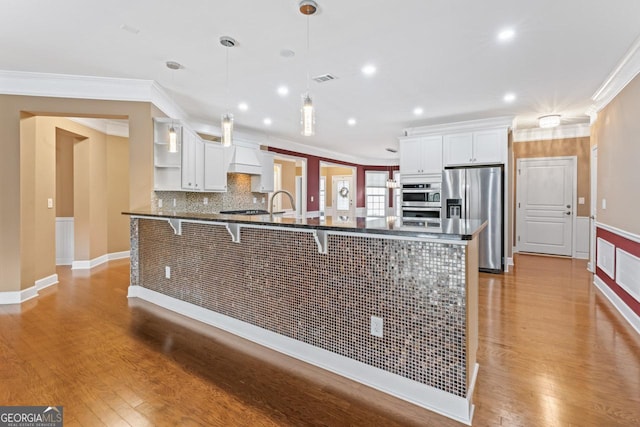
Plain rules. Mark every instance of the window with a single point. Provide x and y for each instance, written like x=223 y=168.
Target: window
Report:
x=376 y=193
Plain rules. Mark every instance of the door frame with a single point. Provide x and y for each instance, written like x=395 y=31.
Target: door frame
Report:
x=354 y=177
x=593 y=182
x=303 y=209
x=574 y=195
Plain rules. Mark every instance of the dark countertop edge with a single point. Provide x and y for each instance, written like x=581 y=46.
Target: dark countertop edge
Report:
x=254 y=220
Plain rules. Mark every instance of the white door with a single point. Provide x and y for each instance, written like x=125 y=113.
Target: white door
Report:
x=545 y=202
x=343 y=196
x=594 y=209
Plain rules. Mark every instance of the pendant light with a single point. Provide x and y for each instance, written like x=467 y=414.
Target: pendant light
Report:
x=227 y=118
x=307 y=119
x=173 y=137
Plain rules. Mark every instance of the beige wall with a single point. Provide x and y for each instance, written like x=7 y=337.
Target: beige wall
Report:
x=18 y=179
x=329 y=172
x=64 y=173
x=288 y=180
x=117 y=194
x=616 y=133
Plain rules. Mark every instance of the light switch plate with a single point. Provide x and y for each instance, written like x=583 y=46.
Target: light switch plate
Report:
x=604 y=203
x=581 y=200
x=50 y=203
x=377 y=325
x=159 y=203
x=205 y=200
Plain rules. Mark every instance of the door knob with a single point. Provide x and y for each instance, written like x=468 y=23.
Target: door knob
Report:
x=568 y=213
x=568 y=206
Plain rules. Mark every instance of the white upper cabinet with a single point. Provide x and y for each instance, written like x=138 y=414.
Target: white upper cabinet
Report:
x=192 y=161
x=263 y=183
x=421 y=155
x=166 y=165
x=481 y=147
x=215 y=173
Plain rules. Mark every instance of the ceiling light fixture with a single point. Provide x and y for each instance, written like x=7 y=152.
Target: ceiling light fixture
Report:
x=283 y=91
x=173 y=136
x=243 y=106
x=351 y=122
x=509 y=97
x=369 y=70
x=227 y=118
x=308 y=8
x=506 y=34
x=267 y=121
x=549 y=121
x=418 y=111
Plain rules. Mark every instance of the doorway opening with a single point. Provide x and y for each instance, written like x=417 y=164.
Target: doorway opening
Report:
x=337 y=190
x=290 y=174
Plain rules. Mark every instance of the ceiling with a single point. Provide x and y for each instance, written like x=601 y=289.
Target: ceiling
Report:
x=442 y=56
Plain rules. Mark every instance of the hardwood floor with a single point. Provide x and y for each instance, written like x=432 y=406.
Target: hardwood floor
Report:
x=553 y=352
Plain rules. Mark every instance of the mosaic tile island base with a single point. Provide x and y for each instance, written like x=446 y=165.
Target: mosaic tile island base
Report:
x=310 y=292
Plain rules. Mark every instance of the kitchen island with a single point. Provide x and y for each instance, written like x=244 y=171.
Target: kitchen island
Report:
x=385 y=304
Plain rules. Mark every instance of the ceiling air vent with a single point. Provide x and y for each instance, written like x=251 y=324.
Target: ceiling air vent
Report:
x=324 y=78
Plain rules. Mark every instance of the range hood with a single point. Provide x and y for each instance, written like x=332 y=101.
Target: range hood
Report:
x=245 y=160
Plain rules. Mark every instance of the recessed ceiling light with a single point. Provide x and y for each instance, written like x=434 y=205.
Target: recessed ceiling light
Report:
x=418 y=111
x=509 y=97
x=243 y=106
x=267 y=121
x=506 y=34
x=283 y=91
x=369 y=70
x=351 y=122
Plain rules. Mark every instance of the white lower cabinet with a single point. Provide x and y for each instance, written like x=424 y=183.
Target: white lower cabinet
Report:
x=215 y=173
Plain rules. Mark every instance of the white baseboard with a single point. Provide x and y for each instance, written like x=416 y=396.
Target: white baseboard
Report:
x=18 y=297
x=629 y=315
x=449 y=405
x=118 y=255
x=87 y=265
x=46 y=282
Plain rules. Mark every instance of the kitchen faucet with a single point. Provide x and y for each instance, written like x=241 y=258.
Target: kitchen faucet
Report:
x=293 y=204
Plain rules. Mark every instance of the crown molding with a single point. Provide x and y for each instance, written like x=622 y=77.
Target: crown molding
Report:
x=297 y=147
x=559 y=132
x=465 y=126
x=89 y=87
x=621 y=76
x=106 y=126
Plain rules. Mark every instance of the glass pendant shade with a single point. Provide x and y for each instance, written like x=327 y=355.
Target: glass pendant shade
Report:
x=308 y=117
x=227 y=129
x=173 y=140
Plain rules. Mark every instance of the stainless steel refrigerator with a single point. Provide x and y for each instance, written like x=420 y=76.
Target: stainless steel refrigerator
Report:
x=477 y=193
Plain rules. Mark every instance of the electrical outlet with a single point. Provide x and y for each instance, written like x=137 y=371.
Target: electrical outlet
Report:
x=312 y=198
x=604 y=203
x=159 y=203
x=255 y=200
x=263 y=200
x=377 y=326
x=205 y=200
x=581 y=200
x=167 y=272
x=174 y=203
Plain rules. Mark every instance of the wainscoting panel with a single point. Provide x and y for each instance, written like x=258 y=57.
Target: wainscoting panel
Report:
x=628 y=272
x=606 y=257
x=64 y=240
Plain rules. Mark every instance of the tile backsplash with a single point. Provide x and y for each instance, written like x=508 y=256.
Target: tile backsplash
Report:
x=238 y=196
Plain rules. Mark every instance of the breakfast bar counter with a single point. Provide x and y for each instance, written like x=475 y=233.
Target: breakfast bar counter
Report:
x=386 y=304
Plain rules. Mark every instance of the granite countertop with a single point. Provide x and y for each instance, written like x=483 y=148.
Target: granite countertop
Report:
x=451 y=229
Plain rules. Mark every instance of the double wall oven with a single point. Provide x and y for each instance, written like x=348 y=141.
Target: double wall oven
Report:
x=421 y=198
